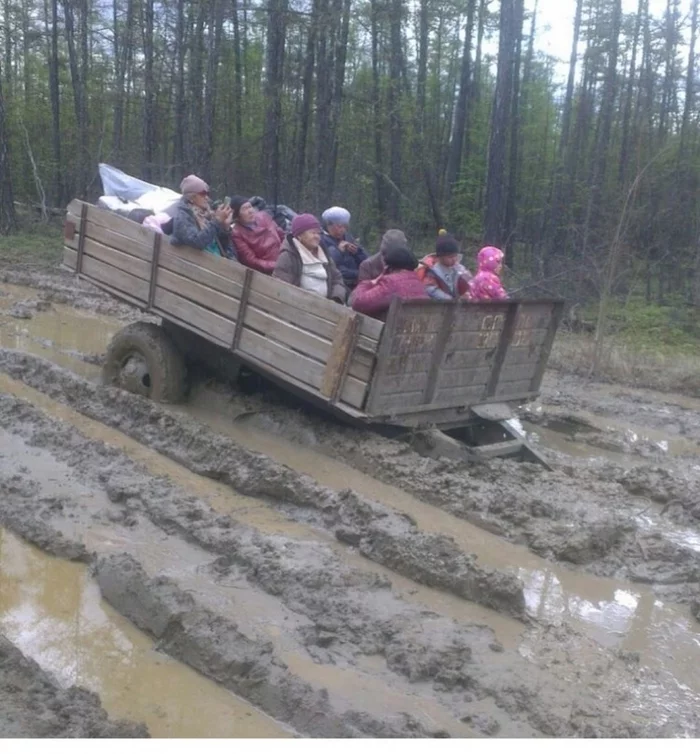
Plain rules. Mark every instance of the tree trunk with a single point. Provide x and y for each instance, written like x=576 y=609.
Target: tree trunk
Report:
x=511 y=213
x=55 y=97
x=149 y=115
x=341 y=53
x=237 y=80
x=307 y=97
x=689 y=80
x=276 y=32
x=379 y=169
x=179 y=157
x=627 y=116
x=394 y=107
x=604 y=125
x=498 y=142
x=211 y=91
x=454 y=161
x=78 y=72
x=8 y=219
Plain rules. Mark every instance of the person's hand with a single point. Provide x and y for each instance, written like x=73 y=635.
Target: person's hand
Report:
x=224 y=215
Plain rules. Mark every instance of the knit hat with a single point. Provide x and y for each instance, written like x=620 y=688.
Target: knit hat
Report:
x=336 y=215
x=390 y=239
x=302 y=223
x=446 y=245
x=236 y=203
x=489 y=258
x=400 y=258
x=193 y=184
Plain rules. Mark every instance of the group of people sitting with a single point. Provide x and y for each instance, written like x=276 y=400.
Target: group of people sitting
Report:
x=324 y=259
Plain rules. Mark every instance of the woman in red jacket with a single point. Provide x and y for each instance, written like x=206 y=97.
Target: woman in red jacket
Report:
x=399 y=280
x=256 y=236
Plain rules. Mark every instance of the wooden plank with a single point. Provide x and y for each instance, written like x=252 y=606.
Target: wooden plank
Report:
x=226 y=306
x=81 y=238
x=242 y=310
x=503 y=344
x=285 y=333
x=448 y=317
x=141 y=249
x=118 y=280
x=70 y=258
x=556 y=315
x=459 y=396
x=136 y=267
x=458 y=359
x=173 y=260
x=153 y=274
x=187 y=311
x=114 y=222
x=516 y=387
x=338 y=362
x=304 y=301
x=302 y=368
x=226 y=268
x=375 y=400
x=464 y=377
x=409 y=382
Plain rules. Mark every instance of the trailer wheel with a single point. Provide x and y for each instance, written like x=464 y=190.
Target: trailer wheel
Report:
x=142 y=359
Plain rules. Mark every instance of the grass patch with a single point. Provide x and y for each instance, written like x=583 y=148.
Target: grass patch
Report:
x=40 y=246
x=668 y=368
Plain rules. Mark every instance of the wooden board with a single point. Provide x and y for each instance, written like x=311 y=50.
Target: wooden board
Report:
x=458 y=353
x=187 y=311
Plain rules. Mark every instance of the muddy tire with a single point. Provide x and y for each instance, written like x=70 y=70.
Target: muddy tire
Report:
x=143 y=359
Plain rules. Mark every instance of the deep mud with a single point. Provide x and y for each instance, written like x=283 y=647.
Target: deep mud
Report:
x=346 y=585
x=32 y=705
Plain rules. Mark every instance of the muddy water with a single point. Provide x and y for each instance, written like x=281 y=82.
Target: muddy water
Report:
x=52 y=610
x=255 y=613
x=616 y=613
x=59 y=334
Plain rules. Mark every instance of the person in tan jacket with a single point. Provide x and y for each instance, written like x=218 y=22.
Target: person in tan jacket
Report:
x=303 y=263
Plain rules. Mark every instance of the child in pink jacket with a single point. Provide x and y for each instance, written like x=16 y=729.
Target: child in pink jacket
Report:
x=486 y=285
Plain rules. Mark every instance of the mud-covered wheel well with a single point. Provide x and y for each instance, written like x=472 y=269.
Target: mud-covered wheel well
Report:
x=162 y=377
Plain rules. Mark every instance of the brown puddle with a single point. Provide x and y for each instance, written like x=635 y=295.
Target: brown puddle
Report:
x=52 y=610
x=59 y=334
x=616 y=613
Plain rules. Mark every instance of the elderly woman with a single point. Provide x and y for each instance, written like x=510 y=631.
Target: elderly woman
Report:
x=302 y=261
x=341 y=246
x=256 y=236
x=195 y=224
x=398 y=280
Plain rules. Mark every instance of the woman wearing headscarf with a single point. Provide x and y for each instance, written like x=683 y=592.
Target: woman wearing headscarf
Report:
x=340 y=245
x=398 y=280
x=302 y=261
x=196 y=224
x=256 y=236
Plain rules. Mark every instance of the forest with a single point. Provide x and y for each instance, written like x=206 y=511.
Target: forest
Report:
x=422 y=115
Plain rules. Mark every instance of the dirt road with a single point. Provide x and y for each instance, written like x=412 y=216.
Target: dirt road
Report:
x=324 y=581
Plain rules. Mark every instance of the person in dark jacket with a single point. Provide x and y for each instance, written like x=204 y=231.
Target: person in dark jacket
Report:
x=374 y=266
x=302 y=261
x=444 y=276
x=196 y=225
x=256 y=236
x=398 y=280
x=341 y=246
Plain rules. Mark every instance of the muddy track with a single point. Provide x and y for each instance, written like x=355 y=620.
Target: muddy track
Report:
x=32 y=705
x=348 y=614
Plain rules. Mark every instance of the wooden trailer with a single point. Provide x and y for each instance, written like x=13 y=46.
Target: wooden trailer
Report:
x=431 y=365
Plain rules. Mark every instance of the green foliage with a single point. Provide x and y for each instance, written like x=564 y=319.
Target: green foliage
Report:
x=36 y=245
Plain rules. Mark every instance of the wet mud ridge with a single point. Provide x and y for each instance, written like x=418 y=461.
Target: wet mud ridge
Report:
x=32 y=705
x=313 y=620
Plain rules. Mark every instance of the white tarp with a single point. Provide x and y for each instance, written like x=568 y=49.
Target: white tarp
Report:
x=116 y=183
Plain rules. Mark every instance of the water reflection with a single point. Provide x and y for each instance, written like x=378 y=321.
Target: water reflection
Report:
x=52 y=610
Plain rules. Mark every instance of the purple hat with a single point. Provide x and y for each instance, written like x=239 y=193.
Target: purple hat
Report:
x=302 y=223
